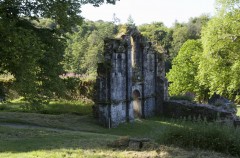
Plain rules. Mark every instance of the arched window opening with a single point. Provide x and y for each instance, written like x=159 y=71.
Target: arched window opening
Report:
x=137 y=107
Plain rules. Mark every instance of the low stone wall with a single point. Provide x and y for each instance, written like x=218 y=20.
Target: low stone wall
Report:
x=181 y=109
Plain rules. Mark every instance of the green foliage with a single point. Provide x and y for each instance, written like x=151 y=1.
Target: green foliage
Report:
x=216 y=70
x=130 y=24
x=8 y=90
x=54 y=107
x=225 y=6
x=208 y=136
x=220 y=65
x=157 y=33
x=78 y=89
x=85 y=47
x=32 y=44
x=68 y=107
x=182 y=76
x=170 y=40
x=182 y=32
x=163 y=131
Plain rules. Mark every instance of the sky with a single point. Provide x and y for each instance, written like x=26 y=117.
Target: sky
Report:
x=148 y=11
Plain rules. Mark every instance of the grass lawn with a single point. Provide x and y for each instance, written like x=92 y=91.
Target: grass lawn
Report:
x=45 y=143
x=54 y=107
x=73 y=132
x=80 y=136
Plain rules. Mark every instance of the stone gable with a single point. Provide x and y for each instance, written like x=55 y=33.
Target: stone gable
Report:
x=131 y=81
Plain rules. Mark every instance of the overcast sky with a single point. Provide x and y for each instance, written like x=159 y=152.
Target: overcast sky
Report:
x=147 y=11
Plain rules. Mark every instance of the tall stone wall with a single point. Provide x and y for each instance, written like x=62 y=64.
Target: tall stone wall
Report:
x=127 y=82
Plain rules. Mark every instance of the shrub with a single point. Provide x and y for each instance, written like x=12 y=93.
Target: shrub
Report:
x=208 y=136
x=78 y=89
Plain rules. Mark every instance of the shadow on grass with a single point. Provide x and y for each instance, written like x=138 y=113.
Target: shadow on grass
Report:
x=26 y=140
x=87 y=134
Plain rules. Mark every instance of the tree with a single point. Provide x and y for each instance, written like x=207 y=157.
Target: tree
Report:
x=226 y=6
x=85 y=47
x=31 y=53
x=185 y=31
x=130 y=24
x=158 y=34
x=220 y=66
x=182 y=76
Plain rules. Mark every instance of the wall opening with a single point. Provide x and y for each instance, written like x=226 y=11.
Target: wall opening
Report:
x=137 y=104
x=119 y=63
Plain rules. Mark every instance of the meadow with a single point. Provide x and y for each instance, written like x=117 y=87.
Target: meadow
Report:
x=75 y=133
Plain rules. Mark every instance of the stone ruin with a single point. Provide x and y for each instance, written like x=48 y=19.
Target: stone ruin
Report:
x=131 y=81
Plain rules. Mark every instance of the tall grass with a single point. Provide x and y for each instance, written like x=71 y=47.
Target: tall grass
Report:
x=207 y=136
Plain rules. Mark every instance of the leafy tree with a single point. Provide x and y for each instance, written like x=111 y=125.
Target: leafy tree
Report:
x=157 y=33
x=185 y=31
x=182 y=76
x=130 y=21
x=160 y=36
x=220 y=66
x=31 y=53
x=225 y=6
x=85 y=47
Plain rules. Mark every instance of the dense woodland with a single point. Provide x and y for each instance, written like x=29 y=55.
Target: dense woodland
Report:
x=43 y=40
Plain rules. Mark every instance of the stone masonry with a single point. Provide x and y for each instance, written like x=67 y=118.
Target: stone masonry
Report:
x=131 y=81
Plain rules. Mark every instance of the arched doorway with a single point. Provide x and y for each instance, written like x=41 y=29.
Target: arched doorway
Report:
x=137 y=106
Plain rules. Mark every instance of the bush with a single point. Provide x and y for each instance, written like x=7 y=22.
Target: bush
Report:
x=207 y=136
x=79 y=89
x=181 y=97
x=8 y=90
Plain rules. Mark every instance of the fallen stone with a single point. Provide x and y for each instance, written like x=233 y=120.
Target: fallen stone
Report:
x=135 y=145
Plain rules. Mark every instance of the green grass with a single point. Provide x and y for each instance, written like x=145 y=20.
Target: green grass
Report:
x=54 y=107
x=44 y=143
x=208 y=136
x=78 y=134
x=84 y=139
